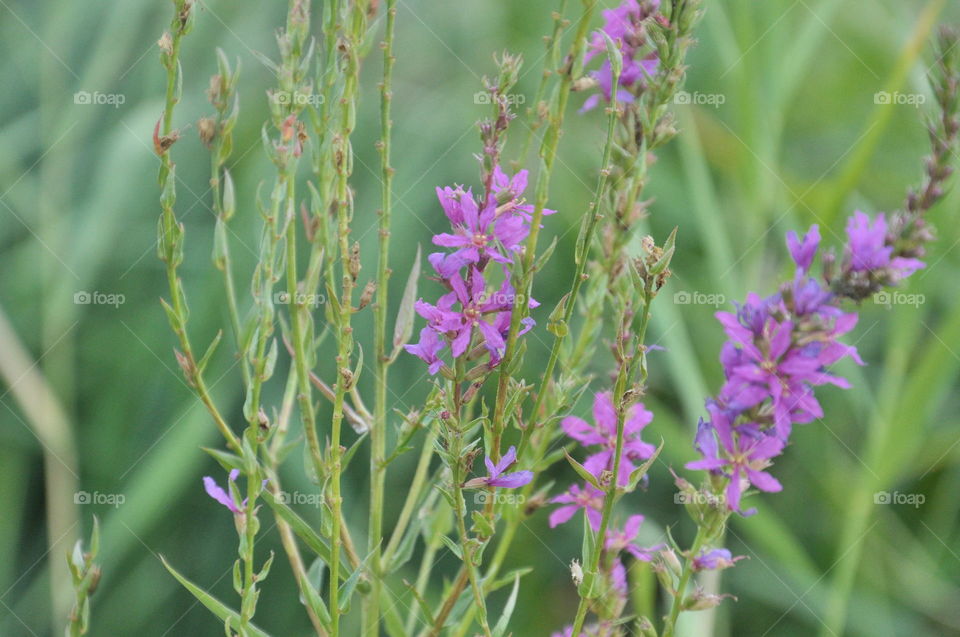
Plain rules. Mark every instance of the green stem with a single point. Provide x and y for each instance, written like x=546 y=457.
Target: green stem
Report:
x=548 y=153
x=670 y=624
x=580 y=258
x=378 y=429
x=625 y=377
x=172 y=233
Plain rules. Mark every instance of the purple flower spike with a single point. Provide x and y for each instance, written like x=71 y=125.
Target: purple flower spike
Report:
x=804 y=251
x=221 y=495
x=625 y=26
x=867 y=246
x=715 y=559
x=476 y=232
x=486 y=230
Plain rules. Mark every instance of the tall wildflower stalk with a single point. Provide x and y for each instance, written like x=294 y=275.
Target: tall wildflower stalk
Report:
x=170 y=230
x=378 y=429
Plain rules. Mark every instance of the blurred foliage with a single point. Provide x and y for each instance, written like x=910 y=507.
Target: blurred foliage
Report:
x=798 y=139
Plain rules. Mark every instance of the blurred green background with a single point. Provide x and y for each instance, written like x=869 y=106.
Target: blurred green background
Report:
x=92 y=400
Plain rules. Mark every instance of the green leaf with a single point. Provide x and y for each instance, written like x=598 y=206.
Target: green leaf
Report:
x=214 y=605
x=481 y=524
x=310 y=595
x=453 y=546
x=582 y=471
x=637 y=474
x=403 y=328
x=302 y=529
x=501 y=627
x=349 y=586
x=351 y=452
x=210 y=350
x=229 y=461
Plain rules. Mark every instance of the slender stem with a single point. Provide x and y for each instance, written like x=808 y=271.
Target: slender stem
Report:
x=343 y=161
x=223 y=261
x=625 y=377
x=468 y=557
x=580 y=258
x=670 y=624
x=548 y=153
x=553 y=61
x=378 y=430
x=304 y=387
x=172 y=233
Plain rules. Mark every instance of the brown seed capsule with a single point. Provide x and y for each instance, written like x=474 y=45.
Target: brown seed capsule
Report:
x=207 y=128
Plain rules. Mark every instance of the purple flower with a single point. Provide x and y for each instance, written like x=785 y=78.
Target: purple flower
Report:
x=625 y=26
x=742 y=457
x=623 y=540
x=427 y=349
x=770 y=365
x=474 y=306
x=497 y=477
x=509 y=190
x=588 y=498
x=714 y=559
x=221 y=495
x=603 y=433
x=867 y=247
x=476 y=232
x=804 y=251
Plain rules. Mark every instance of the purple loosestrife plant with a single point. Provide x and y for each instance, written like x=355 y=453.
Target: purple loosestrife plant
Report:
x=483 y=426
x=782 y=347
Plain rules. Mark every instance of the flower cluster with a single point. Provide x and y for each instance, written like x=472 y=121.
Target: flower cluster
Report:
x=474 y=316
x=778 y=350
x=873 y=257
x=602 y=433
x=625 y=25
